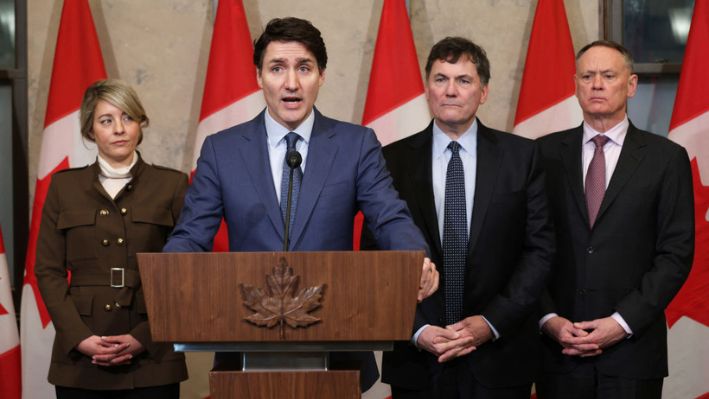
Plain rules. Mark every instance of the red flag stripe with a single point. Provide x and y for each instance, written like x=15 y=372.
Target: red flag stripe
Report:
x=395 y=77
x=550 y=53
x=10 y=387
x=2 y=243
x=692 y=100
x=230 y=70
x=77 y=61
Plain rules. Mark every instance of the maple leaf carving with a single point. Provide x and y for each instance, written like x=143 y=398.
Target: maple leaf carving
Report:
x=279 y=304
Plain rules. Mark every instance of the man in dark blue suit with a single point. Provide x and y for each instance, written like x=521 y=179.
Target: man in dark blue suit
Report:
x=241 y=171
x=478 y=196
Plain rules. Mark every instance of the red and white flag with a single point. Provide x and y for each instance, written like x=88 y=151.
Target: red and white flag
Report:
x=688 y=314
x=396 y=106
x=548 y=105
x=231 y=96
x=9 y=339
x=231 y=93
x=77 y=64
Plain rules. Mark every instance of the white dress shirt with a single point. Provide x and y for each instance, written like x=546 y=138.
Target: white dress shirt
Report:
x=276 y=134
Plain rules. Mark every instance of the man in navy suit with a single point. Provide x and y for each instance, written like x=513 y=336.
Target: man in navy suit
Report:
x=241 y=170
x=622 y=204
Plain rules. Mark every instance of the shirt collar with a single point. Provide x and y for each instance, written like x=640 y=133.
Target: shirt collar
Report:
x=616 y=134
x=276 y=132
x=468 y=141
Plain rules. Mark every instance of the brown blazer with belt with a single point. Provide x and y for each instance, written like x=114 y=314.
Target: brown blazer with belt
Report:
x=86 y=234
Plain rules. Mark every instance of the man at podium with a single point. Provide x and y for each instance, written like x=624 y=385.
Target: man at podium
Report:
x=290 y=154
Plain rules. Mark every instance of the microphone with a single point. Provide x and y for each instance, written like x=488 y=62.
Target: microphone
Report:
x=293 y=160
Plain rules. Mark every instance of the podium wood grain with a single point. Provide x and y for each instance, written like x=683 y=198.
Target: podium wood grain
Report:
x=195 y=297
x=285 y=385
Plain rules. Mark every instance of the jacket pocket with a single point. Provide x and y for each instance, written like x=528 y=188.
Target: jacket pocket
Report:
x=158 y=216
x=84 y=304
x=70 y=219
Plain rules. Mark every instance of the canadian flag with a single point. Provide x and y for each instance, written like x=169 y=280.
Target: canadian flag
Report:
x=688 y=314
x=77 y=64
x=231 y=93
x=9 y=340
x=396 y=105
x=548 y=105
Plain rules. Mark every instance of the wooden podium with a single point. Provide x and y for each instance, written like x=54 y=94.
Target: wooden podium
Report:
x=284 y=312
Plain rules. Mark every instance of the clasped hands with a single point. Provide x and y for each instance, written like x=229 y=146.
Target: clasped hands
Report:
x=586 y=338
x=455 y=340
x=116 y=350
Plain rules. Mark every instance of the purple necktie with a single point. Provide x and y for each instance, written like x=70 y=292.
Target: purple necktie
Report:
x=596 y=179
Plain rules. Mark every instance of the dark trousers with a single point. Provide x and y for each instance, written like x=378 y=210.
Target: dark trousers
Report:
x=585 y=382
x=170 y=391
x=456 y=382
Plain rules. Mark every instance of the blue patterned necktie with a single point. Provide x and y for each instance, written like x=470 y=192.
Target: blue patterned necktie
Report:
x=291 y=140
x=455 y=237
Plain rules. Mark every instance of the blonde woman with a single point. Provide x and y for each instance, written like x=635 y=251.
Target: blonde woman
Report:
x=95 y=219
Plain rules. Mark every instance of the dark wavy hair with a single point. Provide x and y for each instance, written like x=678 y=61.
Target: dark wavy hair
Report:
x=291 y=29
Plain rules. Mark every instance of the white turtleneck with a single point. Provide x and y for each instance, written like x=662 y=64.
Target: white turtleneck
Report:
x=114 y=179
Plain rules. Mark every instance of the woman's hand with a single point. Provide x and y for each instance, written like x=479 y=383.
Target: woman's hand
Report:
x=113 y=350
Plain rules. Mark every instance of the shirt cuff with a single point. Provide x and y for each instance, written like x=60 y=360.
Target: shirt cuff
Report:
x=546 y=318
x=415 y=338
x=618 y=318
x=492 y=328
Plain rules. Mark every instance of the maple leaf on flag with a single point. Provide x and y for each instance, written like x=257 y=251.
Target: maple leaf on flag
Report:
x=692 y=300
x=278 y=305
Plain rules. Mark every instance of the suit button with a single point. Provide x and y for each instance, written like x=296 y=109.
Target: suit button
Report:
x=117 y=305
x=581 y=291
x=129 y=187
x=103 y=212
x=589 y=250
x=107 y=308
x=124 y=211
x=120 y=241
x=105 y=242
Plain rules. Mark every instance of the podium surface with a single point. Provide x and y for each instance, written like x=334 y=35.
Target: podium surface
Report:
x=312 y=301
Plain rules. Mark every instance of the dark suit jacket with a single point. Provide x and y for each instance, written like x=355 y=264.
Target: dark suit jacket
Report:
x=510 y=250
x=635 y=258
x=345 y=173
x=86 y=232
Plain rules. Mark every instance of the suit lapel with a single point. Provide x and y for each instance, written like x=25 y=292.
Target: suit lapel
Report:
x=422 y=185
x=255 y=155
x=488 y=164
x=631 y=154
x=321 y=154
x=571 y=160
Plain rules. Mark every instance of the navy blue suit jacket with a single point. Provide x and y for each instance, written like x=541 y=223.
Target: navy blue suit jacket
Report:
x=345 y=173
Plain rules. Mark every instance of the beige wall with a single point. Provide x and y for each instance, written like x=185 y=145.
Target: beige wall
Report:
x=161 y=48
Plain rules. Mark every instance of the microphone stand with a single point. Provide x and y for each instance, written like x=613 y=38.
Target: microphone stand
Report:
x=293 y=159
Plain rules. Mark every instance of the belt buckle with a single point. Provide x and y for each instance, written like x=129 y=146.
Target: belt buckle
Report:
x=118 y=271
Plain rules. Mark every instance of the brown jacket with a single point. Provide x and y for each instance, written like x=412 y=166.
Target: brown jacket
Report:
x=86 y=233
